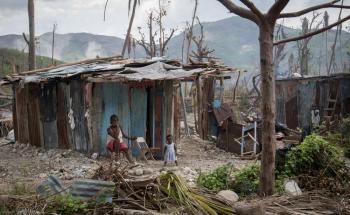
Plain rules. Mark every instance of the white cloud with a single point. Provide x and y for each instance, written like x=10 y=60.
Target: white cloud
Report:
x=87 y=15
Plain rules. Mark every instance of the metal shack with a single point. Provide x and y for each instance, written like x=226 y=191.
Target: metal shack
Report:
x=297 y=97
x=69 y=106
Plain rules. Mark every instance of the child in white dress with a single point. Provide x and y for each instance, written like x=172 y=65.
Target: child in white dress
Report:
x=170 y=151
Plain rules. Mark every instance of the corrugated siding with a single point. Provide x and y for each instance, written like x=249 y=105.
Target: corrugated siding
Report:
x=96 y=117
x=345 y=96
x=62 y=115
x=115 y=100
x=158 y=120
x=306 y=98
x=48 y=114
x=80 y=133
x=22 y=115
x=34 y=123
x=138 y=114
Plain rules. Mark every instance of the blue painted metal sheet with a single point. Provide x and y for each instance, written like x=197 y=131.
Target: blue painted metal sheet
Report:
x=138 y=115
x=115 y=100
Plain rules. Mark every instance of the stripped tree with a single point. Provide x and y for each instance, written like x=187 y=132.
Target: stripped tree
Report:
x=266 y=23
x=156 y=31
x=31 y=41
x=202 y=52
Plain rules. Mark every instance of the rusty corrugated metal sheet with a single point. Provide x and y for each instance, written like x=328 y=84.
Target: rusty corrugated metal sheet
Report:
x=34 y=123
x=48 y=114
x=62 y=115
x=22 y=115
x=79 y=133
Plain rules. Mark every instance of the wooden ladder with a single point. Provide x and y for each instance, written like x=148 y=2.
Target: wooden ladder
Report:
x=329 y=110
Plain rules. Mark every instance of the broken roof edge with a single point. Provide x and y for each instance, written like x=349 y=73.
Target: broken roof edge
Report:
x=107 y=66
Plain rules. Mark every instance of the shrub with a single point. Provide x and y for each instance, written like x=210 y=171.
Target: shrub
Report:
x=345 y=131
x=314 y=156
x=246 y=180
x=243 y=182
x=66 y=204
x=217 y=179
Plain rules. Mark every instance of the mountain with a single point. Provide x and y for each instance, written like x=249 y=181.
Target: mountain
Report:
x=11 y=59
x=234 y=39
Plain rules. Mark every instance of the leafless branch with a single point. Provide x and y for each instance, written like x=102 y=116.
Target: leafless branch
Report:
x=104 y=12
x=310 y=9
x=253 y=8
x=167 y=40
x=276 y=9
x=312 y=33
x=25 y=38
x=240 y=11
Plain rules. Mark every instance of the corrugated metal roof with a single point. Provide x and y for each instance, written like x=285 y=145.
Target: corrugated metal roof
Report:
x=119 y=69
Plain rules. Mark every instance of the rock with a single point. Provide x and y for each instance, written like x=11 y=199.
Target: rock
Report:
x=228 y=195
x=40 y=154
x=187 y=170
x=291 y=188
x=11 y=136
x=42 y=175
x=14 y=150
x=94 y=156
x=147 y=171
x=78 y=173
x=138 y=172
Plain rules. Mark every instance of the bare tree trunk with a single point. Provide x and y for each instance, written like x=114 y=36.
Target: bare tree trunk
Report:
x=53 y=44
x=191 y=32
x=129 y=28
x=31 y=55
x=267 y=176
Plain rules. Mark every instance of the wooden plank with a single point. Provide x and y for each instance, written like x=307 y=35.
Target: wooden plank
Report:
x=14 y=112
x=34 y=123
x=48 y=110
x=80 y=133
x=22 y=115
x=62 y=115
x=96 y=117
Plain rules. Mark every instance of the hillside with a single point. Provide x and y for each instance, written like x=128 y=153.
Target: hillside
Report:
x=10 y=58
x=234 y=39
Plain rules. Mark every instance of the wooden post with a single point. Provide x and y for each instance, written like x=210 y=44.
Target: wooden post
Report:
x=184 y=111
x=31 y=55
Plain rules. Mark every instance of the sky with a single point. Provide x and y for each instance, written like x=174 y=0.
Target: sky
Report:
x=87 y=15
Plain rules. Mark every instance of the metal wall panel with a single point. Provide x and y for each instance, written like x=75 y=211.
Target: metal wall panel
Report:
x=34 y=123
x=115 y=100
x=80 y=133
x=48 y=110
x=138 y=115
x=62 y=115
x=306 y=99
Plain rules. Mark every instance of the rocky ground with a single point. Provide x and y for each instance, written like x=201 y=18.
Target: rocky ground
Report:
x=21 y=163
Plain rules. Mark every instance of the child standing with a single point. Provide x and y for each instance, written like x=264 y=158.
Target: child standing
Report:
x=170 y=151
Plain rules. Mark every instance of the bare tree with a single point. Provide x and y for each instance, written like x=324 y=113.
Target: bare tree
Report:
x=151 y=47
x=202 y=52
x=131 y=21
x=332 y=59
x=266 y=23
x=279 y=51
x=53 y=43
x=190 y=31
x=31 y=42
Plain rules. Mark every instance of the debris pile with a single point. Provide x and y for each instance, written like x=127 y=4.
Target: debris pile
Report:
x=160 y=192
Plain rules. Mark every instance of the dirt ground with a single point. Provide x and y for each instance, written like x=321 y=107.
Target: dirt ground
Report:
x=21 y=163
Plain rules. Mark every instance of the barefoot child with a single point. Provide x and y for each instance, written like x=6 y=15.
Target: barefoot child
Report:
x=115 y=143
x=170 y=151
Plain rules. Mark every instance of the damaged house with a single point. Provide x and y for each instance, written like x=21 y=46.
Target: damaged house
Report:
x=297 y=98
x=69 y=106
